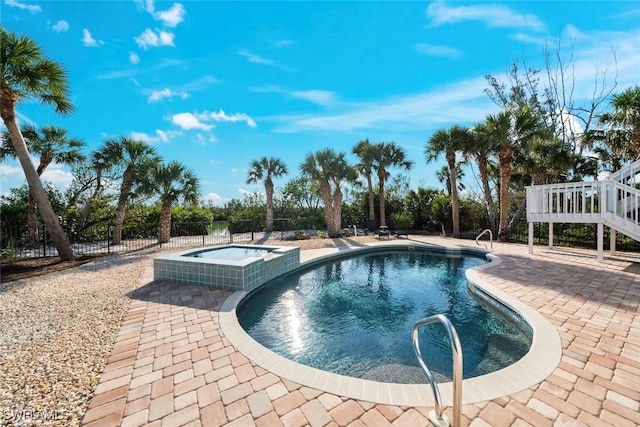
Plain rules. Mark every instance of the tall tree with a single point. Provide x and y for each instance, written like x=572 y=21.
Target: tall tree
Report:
x=51 y=144
x=133 y=158
x=387 y=155
x=511 y=129
x=266 y=169
x=448 y=142
x=481 y=150
x=366 y=154
x=172 y=182
x=25 y=73
x=623 y=133
x=330 y=170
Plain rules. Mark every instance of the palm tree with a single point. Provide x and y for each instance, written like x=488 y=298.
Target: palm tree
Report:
x=366 y=153
x=266 y=169
x=442 y=176
x=511 y=129
x=52 y=144
x=330 y=170
x=482 y=149
x=624 y=121
x=172 y=182
x=134 y=158
x=388 y=154
x=26 y=73
x=449 y=142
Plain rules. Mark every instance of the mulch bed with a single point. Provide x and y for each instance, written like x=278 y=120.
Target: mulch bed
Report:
x=32 y=267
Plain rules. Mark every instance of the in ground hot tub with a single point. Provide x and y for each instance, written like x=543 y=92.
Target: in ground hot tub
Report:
x=234 y=267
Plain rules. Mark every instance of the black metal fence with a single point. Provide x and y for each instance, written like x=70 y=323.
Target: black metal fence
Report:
x=99 y=238
x=566 y=234
x=15 y=243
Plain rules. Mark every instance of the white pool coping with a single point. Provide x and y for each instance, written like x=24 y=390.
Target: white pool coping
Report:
x=539 y=362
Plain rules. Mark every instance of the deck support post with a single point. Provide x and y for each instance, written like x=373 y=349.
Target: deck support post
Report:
x=612 y=241
x=600 y=242
x=550 y=234
x=530 y=237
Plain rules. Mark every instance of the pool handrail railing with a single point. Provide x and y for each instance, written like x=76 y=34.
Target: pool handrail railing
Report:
x=436 y=416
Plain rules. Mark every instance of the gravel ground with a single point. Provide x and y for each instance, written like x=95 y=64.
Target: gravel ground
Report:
x=57 y=330
x=56 y=333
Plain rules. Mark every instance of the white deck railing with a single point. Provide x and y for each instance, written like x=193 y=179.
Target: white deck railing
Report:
x=611 y=203
x=629 y=175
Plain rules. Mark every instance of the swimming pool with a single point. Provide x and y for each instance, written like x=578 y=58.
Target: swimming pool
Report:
x=234 y=267
x=353 y=316
x=233 y=253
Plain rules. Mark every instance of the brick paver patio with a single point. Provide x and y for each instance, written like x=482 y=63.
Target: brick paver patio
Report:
x=172 y=366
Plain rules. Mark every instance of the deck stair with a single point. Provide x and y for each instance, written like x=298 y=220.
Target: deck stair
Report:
x=614 y=202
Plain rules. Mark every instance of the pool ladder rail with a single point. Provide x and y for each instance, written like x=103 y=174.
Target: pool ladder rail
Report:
x=436 y=417
x=482 y=234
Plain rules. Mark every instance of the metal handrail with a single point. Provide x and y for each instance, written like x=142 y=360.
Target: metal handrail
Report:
x=482 y=234
x=437 y=417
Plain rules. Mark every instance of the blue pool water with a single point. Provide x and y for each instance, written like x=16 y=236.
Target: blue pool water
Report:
x=354 y=316
x=232 y=253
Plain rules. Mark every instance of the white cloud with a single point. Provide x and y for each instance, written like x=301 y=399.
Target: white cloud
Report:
x=282 y=43
x=256 y=59
x=320 y=97
x=60 y=26
x=23 y=6
x=527 y=38
x=149 y=38
x=492 y=15
x=214 y=198
x=55 y=173
x=134 y=58
x=436 y=50
x=463 y=102
x=88 y=40
x=188 y=121
x=235 y=170
x=159 y=95
x=573 y=33
x=8 y=172
x=245 y=192
x=160 y=136
x=134 y=71
x=317 y=96
x=172 y=16
x=221 y=116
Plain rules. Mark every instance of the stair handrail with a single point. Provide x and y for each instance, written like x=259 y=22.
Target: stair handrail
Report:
x=437 y=417
x=629 y=171
x=482 y=234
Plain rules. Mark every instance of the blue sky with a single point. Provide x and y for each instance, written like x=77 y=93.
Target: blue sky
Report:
x=217 y=84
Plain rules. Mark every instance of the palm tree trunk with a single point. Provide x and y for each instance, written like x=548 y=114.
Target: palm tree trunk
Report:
x=268 y=188
x=336 y=219
x=32 y=211
x=164 y=233
x=505 y=179
x=488 y=198
x=125 y=189
x=372 y=209
x=455 y=208
x=328 y=209
x=58 y=237
x=381 y=195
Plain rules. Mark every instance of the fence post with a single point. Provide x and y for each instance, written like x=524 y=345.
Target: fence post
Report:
x=44 y=239
x=108 y=238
